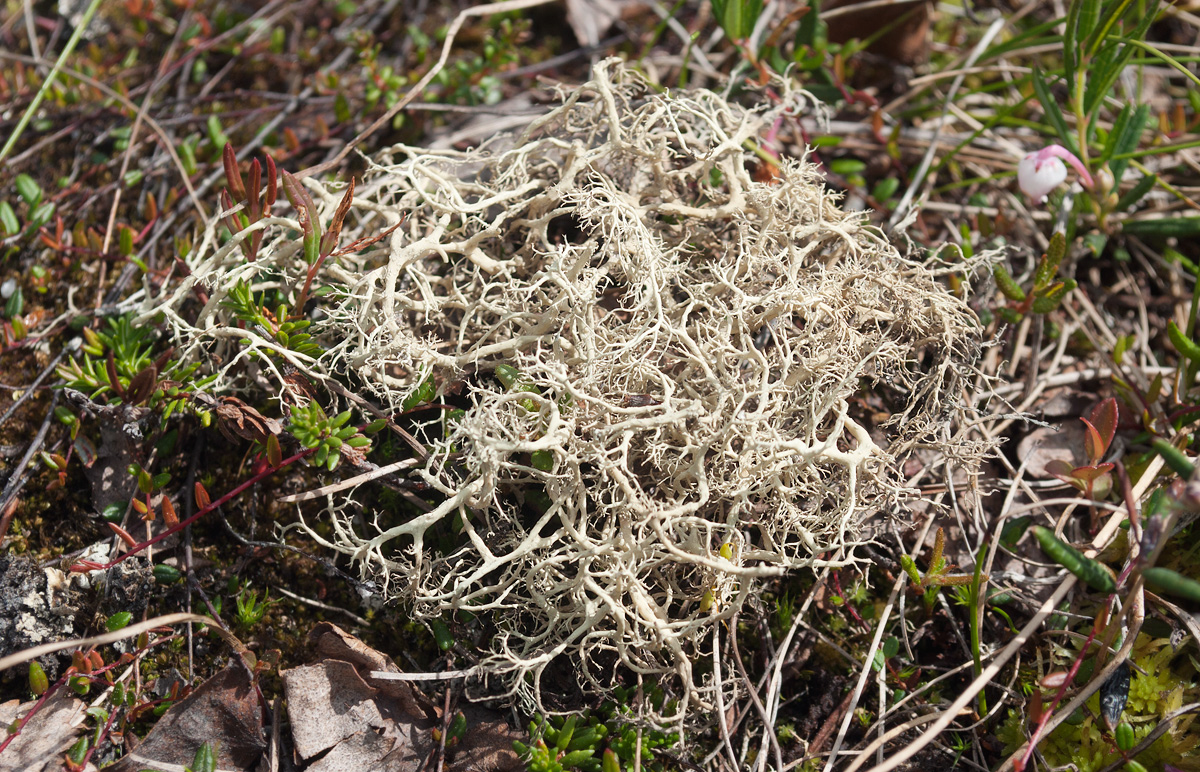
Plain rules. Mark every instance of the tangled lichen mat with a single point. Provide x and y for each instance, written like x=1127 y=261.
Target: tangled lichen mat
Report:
x=643 y=361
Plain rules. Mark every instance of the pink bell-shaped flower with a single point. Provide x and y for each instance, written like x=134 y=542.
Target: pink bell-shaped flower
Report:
x=1042 y=171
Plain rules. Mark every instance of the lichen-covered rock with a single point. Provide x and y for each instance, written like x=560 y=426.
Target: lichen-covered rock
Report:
x=34 y=609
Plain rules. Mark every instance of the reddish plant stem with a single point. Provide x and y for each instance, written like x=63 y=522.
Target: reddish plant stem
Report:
x=302 y=298
x=1135 y=528
x=100 y=738
x=37 y=706
x=7 y=517
x=1062 y=690
x=850 y=609
x=72 y=672
x=85 y=565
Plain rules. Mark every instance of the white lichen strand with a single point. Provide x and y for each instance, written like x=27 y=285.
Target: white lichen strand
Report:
x=693 y=338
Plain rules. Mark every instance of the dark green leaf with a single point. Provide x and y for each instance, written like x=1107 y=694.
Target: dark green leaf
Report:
x=205 y=759
x=1187 y=348
x=41 y=215
x=1085 y=13
x=441 y=634
x=1008 y=287
x=1125 y=737
x=1173 y=583
x=8 y=219
x=28 y=190
x=1047 y=267
x=1179 y=227
x=1128 y=139
x=15 y=303
x=1174 y=458
x=164 y=574
x=1112 y=14
x=1053 y=112
x=1013 y=530
x=1090 y=571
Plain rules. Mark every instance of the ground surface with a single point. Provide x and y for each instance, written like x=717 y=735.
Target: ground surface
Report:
x=107 y=191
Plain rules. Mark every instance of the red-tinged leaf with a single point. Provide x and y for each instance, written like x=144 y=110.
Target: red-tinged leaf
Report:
x=142 y=385
x=1092 y=473
x=1104 y=417
x=231 y=221
x=252 y=202
x=1093 y=443
x=202 y=499
x=1054 y=680
x=291 y=189
x=255 y=242
x=233 y=175
x=274 y=452
x=272 y=183
x=329 y=242
x=1062 y=470
x=125 y=537
x=304 y=205
x=113 y=380
x=168 y=511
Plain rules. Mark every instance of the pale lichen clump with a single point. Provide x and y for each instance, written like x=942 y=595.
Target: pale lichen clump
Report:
x=685 y=342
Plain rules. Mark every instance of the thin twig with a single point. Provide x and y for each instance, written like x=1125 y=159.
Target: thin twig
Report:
x=720 y=690
x=768 y=724
x=32 y=388
x=16 y=480
x=28 y=655
x=129 y=105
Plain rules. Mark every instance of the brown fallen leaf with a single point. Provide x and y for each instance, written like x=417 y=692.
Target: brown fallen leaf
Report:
x=235 y=417
x=47 y=736
x=224 y=710
x=329 y=703
x=343 y=719
x=328 y=641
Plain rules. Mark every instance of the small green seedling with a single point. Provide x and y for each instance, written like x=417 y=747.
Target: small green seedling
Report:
x=250 y=611
x=938 y=575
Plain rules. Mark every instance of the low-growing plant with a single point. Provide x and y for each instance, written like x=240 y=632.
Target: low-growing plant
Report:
x=1046 y=291
x=594 y=741
x=251 y=610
